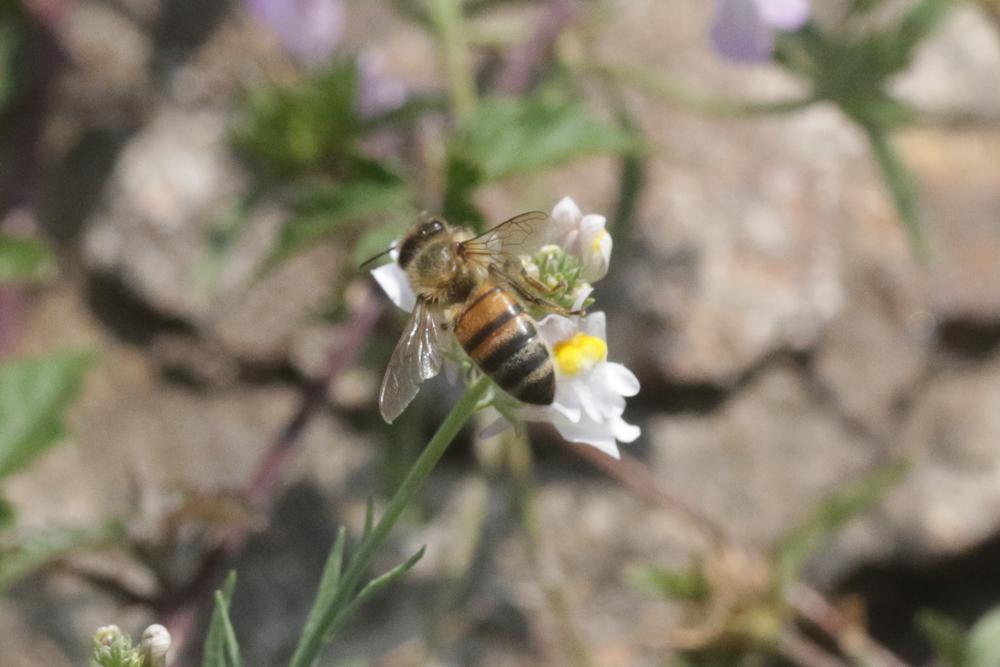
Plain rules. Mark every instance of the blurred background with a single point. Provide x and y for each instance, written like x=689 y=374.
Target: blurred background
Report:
x=805 y=206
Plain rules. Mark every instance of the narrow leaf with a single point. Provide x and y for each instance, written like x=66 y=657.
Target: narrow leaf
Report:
x=33 y=394
x=369 y=517
x=215 y=641
x=232 y=647
x=800 y=543
x=903 y=189
x=24 y=259
x=328 y=584
x=373 y=587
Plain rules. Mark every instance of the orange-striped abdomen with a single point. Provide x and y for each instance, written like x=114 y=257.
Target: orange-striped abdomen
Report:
x=503 y=341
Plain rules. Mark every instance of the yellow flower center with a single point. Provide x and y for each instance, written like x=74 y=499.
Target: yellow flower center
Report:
x=595 y=245
x=580 y=353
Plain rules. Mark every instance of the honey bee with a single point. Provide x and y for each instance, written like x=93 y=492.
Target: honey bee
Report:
x=473 y=286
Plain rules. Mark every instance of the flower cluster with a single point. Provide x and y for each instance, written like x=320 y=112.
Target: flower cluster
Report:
x=574 y=250
x=744 y=30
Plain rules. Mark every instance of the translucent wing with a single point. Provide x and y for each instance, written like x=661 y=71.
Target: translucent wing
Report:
x=521 y=235
x=417 y=357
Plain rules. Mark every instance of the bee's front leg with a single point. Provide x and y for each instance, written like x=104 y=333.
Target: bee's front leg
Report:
x=522 y=290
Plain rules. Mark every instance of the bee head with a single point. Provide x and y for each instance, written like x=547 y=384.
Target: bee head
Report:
x=423 y=232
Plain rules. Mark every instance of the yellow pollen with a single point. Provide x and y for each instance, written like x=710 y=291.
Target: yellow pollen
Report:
x=579 y=353
x=595 y=245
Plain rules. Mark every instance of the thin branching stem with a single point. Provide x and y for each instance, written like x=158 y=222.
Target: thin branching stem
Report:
x=672 y=93
x=310 y=645
x=448 y=21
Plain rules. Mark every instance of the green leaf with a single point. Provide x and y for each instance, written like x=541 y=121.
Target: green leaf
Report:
x=902 y=188
x=33 y=394
x=518 y=135
x=23 y=260
x=687 y=584
x=312 y=125
x=799 y=544
x=328 y=584
x=946 y=636
x=983 y=648
x=22 y=554
x=373 y=587
x=329 y=210
x=218 y=652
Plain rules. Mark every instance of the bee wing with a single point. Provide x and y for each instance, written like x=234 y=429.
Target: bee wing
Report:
x=521 y=235
x=417 y=357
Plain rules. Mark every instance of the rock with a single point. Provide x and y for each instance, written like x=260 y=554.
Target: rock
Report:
x=762 y=461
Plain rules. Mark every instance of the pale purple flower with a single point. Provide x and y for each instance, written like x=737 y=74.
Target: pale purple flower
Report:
x=744 y=30
x=308 y=30
x=378 y=91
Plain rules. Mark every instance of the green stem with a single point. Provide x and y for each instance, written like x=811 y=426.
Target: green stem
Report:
x=676 y=95
x=309 y=646
x=903 y=188
x=447 y=18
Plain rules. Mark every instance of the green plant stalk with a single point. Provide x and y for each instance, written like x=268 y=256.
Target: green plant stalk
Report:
x=447 y=18
x=678 y=96
x=309 y=647
x=902 y=187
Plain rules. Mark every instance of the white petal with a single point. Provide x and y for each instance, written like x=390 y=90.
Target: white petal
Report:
x=566 y=213
x=582 y=292
x=555 y=328
x=625 y=432
x=395 y=283
x=595 y=324
x=590 y=433
x=495 y=427
x=621 y=380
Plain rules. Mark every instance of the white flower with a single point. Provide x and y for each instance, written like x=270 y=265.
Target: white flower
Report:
x=155 y=644
x=581 y=235
x=395 y=283
x=590 y=390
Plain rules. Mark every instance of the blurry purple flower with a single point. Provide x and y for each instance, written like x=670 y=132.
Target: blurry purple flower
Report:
x=309 y=30
x=744 y=30
x=378 y=92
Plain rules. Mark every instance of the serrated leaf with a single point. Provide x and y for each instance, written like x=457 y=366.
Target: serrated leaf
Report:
x=946 y=636
x=799 y=544
x=24 y=259
x=335 y=209
x=22 y=554
x=983 y=647
x=217 y=651
x=518 y=135
x=33 y=394
x=689 y=584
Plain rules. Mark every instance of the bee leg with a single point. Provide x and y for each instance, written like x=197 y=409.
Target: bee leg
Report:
x=539 y=285
x=530 y=296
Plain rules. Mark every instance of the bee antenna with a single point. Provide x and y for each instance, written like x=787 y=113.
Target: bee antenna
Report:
x=372 y=259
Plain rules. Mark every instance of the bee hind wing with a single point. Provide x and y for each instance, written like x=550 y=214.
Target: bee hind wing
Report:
x=417 y=357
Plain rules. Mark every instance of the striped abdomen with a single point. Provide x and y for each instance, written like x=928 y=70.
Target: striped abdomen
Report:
x=503 y=341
